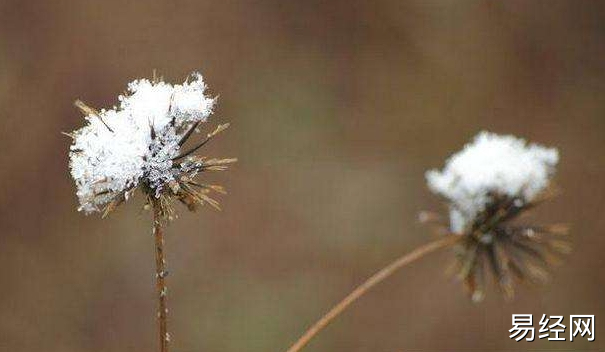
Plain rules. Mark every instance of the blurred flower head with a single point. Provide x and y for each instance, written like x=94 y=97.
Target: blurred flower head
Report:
x=140 y=145
x=487 y=186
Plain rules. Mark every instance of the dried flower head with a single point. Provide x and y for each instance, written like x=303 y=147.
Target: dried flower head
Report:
x=487 y=186
x=140 y=145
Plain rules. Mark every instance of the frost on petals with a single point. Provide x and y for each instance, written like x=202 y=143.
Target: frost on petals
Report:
x=135 y=143
x=491 y=165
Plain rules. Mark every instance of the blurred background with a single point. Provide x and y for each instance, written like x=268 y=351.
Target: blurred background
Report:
x=337 y=109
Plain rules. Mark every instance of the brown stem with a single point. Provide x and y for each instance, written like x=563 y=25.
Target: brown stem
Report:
x=367 y=285
x=160 y=275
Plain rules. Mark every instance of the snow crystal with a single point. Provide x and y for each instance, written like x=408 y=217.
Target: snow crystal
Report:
x=135 y=142
x=491 y=164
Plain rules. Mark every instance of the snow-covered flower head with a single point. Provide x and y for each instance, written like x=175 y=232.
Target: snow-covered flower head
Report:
x=486 y=186
x=140 y=145
x=492 y=165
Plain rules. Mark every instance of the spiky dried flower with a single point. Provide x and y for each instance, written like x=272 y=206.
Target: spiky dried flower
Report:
x=140 y=145
x=487 y=186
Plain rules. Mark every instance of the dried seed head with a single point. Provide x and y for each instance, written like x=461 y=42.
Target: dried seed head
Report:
x=487 y=186
x=491 y=164
x=137 y=145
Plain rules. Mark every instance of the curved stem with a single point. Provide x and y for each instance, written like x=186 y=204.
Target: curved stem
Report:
x=160 y=275
x=367 y=285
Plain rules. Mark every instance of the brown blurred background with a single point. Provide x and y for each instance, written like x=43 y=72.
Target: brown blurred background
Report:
x=337 y=110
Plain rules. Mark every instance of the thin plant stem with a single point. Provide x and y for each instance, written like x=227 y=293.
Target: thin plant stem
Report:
x=160 y=275
x=367 y=285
